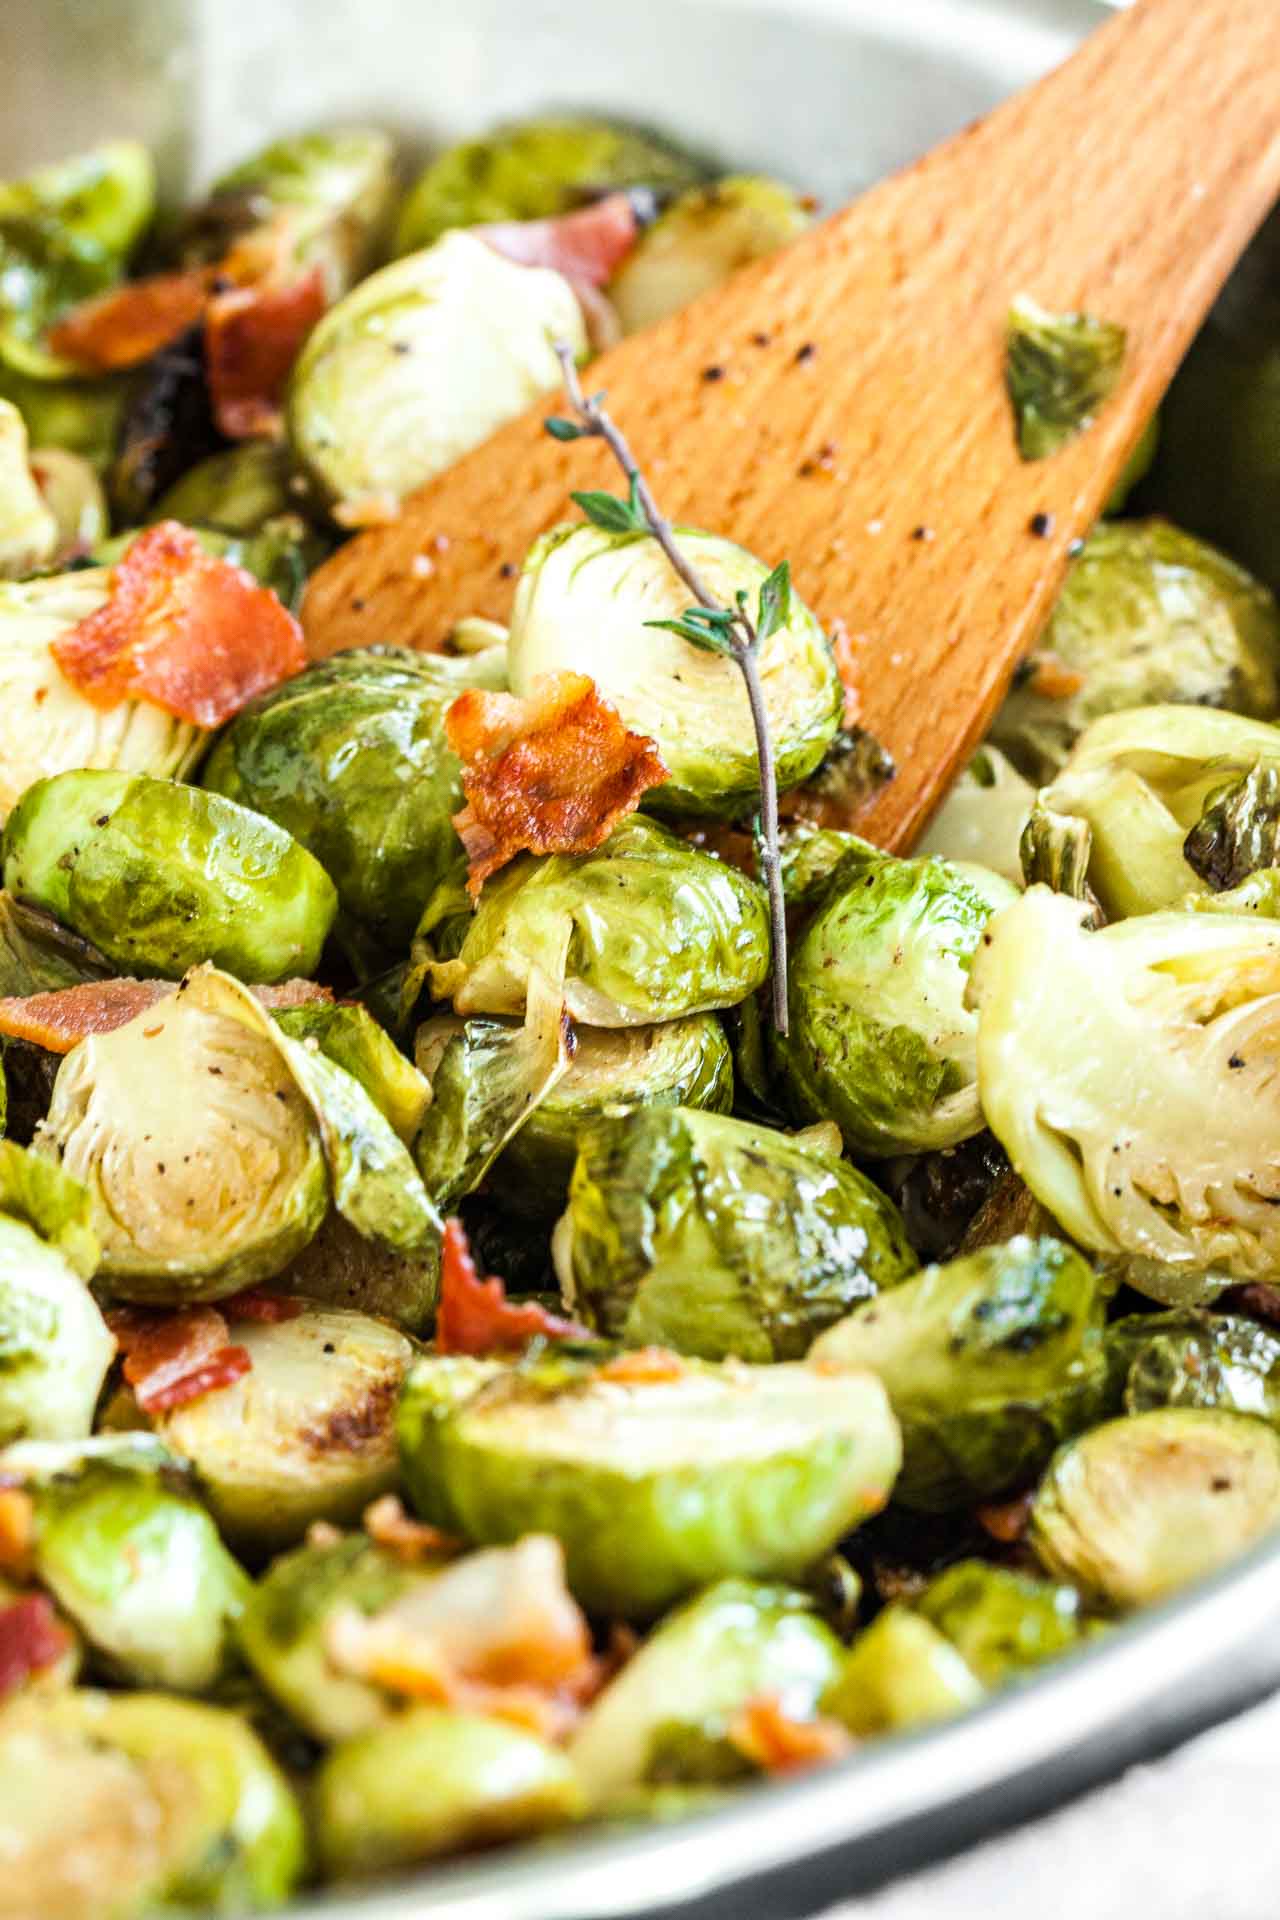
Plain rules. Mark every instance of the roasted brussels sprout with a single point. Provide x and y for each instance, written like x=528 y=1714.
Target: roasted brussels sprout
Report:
x=306 y=1434
x=1061 y=368
x=534 y=168
x=343 y=1269
x=81 y=417
x=351 y=758
x=119 y=1804
x=1144 y=1122
x=130 y=1555
x=433 y=1781
x=1142 y=1506
x=988 y=1362
x=654 y=1485
x=161 y=876
x=350 y=1036
x=1002 y=1622
x=901 y=1672
x=714 y=1237
x=1148 y=614
x=881 y=1041
x=234 y=491
x=54 y=1344
x=66 y=232
x=46 y=726
x=982 y=818
x=682 y=1063
x=586 y=603
x=1196 y=1359
x=646 y=928
x=735 y=1643
x=329 y=193
x=423 y=361
x=706 y=235
x=28 y=527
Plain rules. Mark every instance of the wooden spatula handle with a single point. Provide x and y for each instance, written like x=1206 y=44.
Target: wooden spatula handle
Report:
x=842 y=404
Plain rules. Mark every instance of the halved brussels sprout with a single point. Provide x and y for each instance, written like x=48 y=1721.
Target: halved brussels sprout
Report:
x=988 y=1362
x=586 y=602
x=1148 y=614
x=901 y=1672
x=881 y=1041
x=1145 y=1122
x=235 y=491
x=533 y=168
x=1002 y=1622
x=645 y=928
x=1196 y=1359
x=699 y=241
x=46 y=726
x=352 y=1039
x=113 y=1805
x=422 y=362
x=982 y=818
x=654 y=1486
x=202 y=1160
x=307 y=1434
x=714 y=1237
x=343 y=1269
x=66 y=232
x=130 y=1555
x=351 y=758
x=1143 y=1506
x=682 y=1063
x=432 y=1782
x=735 y=1643
x=330 y=193
x=56 y=1207
x=28 y=527
x=54 y=1344
x=161 y=876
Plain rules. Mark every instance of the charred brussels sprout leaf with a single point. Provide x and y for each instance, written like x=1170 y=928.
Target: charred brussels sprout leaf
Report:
x=28 y=528
x=1056 y=849
x=1003 y=1623
x=714 y=1237
x=434 y=1782
x=1145 y=1124
x=161 y=877
x=646 y=928
x=421 y=362
x=54 y=1345
x=351 y=759
x=1143 y=1506
x=535 y=168
x=881 y=1041
x=1061 y=368
x=353 y=1040
x=130 y=1555
x=1148 y=614
x=706 y=235
x=983 y=816
x=988 y=1362
x=901 y=1672
x=1237 y=832
x=655 y=1486
x=735 y=1643
x=591 y=601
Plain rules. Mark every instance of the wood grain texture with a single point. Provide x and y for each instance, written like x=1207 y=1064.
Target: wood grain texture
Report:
x=859 y=425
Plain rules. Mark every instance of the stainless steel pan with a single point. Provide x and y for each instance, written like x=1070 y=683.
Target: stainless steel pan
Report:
x=831 y=93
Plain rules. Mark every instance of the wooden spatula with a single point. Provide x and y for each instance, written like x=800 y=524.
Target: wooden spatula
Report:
x=842 y=404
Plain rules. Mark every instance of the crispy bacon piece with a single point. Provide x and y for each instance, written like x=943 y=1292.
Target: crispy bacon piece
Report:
x=1051 y=677
x=553 y=773
x=59 y=1020
x=31 y=1639
x=190 y=633
x=265 y=1309
x=647 y=1366
x=126 y=326
x=171 y=1359
x=252 y=336
x=17 y=1531
x=388 y=1525
x=768 y=1736
x=475 y=1316
x=587 y=245
x=1006 y=1520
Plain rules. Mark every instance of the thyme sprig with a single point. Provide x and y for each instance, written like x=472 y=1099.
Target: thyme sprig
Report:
x=729 y=630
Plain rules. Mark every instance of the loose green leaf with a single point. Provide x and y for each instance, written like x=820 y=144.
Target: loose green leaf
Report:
x=1060 y=369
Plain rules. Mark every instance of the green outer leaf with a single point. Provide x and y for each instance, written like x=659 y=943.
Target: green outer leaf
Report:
x=37 y=1192
x=354 y=1041
x=1003 y=1622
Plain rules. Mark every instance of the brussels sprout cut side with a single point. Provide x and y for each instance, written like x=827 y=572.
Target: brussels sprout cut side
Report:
x=706 y=235
x=54 y=1345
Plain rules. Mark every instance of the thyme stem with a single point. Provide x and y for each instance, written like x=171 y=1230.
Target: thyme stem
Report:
x=743 y=641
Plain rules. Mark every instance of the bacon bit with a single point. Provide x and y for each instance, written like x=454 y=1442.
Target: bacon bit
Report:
x=588 y=245
x=126 y=326
x=17 y=1531
x=842 y=646
x=475 y=1316
x=388 y=1525
x=775 y=1742
x=31 y=1638
x=59 y=1020
x=1006 y=1521
x=646 y=1366
x=188 y=632
x=252 y=336
x=266 y=1309
x=171 y=1359
x=367 y=510
x=552 y=773
x=1051 y=677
